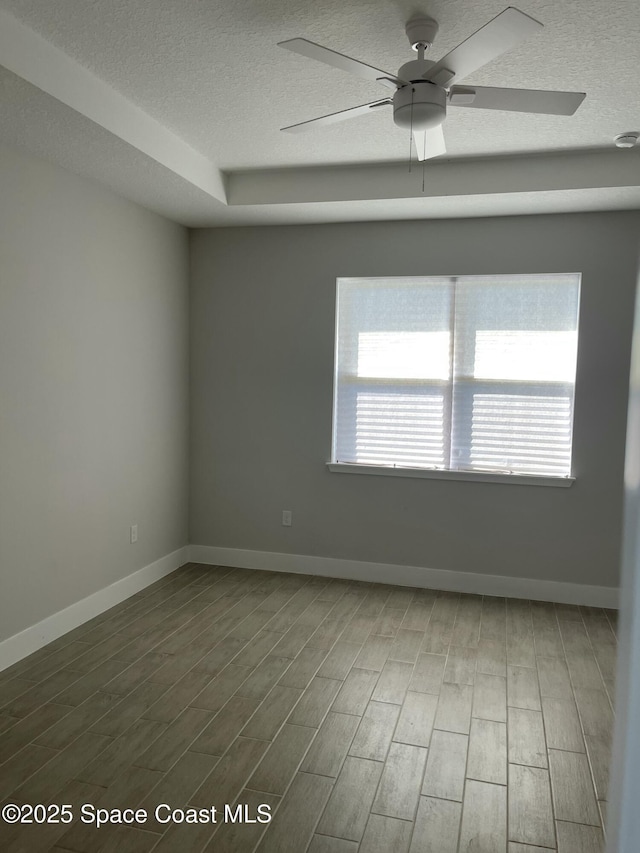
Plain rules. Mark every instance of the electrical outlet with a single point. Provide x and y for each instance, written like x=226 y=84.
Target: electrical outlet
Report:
x=134 y=533
x=286 y=518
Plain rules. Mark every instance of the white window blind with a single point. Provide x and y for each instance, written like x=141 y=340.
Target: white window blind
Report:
x=472 y=373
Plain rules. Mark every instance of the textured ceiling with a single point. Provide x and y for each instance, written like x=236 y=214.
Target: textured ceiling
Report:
x=210 y=71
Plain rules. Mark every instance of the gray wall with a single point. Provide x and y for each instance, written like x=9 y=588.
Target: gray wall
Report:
x=93 y=388
x=262 y=329
x=623 y=817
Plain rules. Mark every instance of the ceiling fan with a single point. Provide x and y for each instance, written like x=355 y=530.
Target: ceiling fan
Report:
x=423 y=88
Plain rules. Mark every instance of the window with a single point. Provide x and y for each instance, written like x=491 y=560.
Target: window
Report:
x=469 y=373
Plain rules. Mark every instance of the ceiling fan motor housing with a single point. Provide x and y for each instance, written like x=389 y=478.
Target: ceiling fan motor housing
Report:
x=419 y=106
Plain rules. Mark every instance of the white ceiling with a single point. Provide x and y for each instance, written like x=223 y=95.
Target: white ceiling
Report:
x=171 y=101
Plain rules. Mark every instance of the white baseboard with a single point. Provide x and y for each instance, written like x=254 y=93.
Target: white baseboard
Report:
x=509 y=587
x=31 y=639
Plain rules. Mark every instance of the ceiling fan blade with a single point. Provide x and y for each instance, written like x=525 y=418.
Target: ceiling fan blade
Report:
x=502 y=33
x=517 y=100
x=332 y=118
x=338 y=60
x=429 y=143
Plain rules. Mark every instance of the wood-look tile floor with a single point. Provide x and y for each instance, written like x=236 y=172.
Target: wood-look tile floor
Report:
x=368 y=718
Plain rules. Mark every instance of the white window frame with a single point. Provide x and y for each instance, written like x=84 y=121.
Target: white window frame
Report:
x=484 y=476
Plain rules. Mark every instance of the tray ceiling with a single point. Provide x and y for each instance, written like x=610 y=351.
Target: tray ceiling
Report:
x=178 y=104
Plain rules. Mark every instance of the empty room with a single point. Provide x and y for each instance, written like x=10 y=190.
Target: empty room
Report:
x=319 y=426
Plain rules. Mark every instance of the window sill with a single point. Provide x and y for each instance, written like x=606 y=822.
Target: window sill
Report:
x=437 y=474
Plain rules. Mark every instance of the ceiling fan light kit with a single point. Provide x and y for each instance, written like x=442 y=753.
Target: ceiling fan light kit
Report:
x=424 y=89
x=420 y=106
